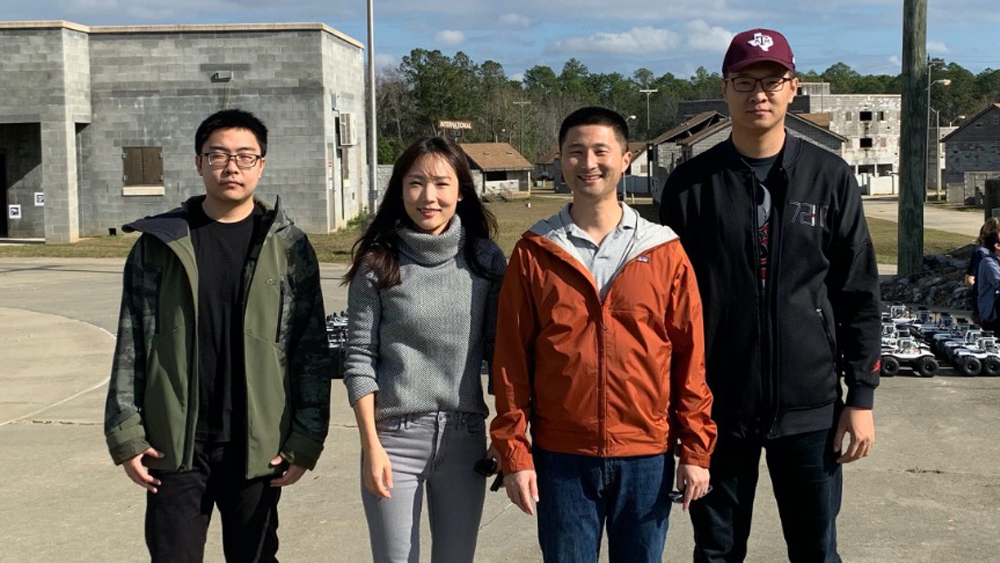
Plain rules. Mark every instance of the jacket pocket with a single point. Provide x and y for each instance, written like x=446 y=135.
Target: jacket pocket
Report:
x=830 y=340
x=285 y=301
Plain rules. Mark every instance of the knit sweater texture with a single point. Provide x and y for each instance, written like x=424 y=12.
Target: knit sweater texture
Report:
x=419 y=346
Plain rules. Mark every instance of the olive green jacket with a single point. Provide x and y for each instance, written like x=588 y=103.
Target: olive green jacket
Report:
x=153 y=395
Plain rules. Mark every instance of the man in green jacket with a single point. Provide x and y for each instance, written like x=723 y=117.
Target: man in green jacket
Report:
x=220 y=389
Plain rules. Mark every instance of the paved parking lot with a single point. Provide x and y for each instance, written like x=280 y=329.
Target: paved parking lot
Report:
x=929 y=493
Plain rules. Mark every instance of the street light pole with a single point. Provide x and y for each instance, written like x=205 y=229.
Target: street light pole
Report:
x=649 y=162
x=625 y=176
x=373 y=131
x=521 y=103
x=931 y=63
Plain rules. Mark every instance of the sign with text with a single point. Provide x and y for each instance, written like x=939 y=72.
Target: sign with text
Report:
x=454 y=124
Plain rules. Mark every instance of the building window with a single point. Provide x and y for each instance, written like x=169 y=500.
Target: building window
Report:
x=866 y=142
x=881 y=116
x=848 y=116
x=866 y=116
x=142 y=171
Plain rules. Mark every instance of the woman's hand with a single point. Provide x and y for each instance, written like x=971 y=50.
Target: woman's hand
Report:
x=377 y=471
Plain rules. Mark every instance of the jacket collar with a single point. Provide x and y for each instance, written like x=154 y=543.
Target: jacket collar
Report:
x=789 y=153
x=173 y=225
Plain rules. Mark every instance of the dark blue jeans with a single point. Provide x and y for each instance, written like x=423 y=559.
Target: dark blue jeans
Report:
x=807 y=483
x=578 y=494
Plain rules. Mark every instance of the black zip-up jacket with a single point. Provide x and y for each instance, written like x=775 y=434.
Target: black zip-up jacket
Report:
x=774 y=351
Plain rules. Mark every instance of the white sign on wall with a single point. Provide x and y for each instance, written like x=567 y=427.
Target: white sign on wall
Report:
x=39 y=199
x=14 y=211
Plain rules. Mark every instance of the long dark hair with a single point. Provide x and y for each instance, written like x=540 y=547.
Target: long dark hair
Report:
x=378 y=247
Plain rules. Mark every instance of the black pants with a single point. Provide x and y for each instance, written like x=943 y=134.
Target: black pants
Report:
x=807 y=483
x=177 y=516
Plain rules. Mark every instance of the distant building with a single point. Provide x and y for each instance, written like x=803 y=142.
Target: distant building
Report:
x=504 y=170
x=972 y=155
x=547 y=166
x=668 y=148
x=97 y=123
x=805 y=129
x=869 y=124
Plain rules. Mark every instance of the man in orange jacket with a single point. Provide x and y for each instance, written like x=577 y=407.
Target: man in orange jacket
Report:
x=600 y=349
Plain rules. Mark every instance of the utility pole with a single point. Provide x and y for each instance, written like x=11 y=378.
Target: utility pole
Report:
x=373 y=129
x=913 y=139
x=649 y=156
x=521 y=103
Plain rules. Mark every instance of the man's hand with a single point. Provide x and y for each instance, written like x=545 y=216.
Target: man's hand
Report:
x=861 y=424
x=693 y=480
x=290 y=476
x=522 y=490
x=138 y=473
x=376 y=474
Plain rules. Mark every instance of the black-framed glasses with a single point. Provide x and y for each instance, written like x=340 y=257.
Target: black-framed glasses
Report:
x=768 y=83
x=221 y=159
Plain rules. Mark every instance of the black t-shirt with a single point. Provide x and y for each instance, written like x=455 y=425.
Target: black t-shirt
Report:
x=221 y=251
x=762 y=169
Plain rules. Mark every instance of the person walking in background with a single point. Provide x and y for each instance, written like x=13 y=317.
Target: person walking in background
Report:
x=221 y=379
x=422 y=309
x=786 y=268
x=988 y=283
x=600 y=352
x=991 y=225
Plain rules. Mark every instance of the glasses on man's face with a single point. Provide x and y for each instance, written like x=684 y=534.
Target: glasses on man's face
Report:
x=221 y=159
x=768 y=83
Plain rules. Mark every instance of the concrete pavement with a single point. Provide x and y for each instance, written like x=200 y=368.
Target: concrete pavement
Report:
x=935 y=217
x=929 y=493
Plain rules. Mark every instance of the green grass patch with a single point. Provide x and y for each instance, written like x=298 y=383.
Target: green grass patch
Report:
x=885 y=237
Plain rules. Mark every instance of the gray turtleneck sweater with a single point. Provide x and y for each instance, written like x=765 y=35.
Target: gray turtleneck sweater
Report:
x=419 y=346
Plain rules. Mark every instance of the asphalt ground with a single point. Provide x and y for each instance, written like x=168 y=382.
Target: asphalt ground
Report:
x=929 y=492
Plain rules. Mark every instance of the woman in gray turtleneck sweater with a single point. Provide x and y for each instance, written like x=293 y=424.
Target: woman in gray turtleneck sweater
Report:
x=422 y=317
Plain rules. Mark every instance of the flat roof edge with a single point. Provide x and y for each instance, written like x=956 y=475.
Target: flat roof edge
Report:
x=45 y=24
x=186 y=28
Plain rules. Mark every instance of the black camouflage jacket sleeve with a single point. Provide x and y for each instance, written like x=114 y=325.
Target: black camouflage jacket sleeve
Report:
x=123 y=427
x=310 y=361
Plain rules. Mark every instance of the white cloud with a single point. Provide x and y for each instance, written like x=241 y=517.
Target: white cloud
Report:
x=704 y=37
x=517 y=76
x=638 y=40
x=450 y=37
x=937 y=47
x=515 y=20
x=385 y=60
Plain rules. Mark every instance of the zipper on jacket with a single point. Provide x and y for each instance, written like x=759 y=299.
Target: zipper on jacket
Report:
x=763 y=387
x=773 y=261
x=249 y=271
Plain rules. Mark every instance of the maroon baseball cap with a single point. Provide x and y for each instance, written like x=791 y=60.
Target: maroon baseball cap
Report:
x=757 y=46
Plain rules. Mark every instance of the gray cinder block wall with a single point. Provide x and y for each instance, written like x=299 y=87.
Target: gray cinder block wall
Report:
x=103 y=89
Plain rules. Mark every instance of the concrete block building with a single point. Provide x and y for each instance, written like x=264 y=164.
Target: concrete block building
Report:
x=869 y=123
x=97 y=123
x=972 y=155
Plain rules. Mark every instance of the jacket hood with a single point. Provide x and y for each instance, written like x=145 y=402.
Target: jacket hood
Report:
x=647 y=234
x=173 y=225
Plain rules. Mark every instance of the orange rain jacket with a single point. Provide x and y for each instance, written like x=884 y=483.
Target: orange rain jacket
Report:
x=622 y=377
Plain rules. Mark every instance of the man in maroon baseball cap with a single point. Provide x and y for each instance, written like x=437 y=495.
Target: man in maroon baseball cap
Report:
x=786 y=271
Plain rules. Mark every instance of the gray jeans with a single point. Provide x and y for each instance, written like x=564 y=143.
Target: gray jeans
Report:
x=436 y=449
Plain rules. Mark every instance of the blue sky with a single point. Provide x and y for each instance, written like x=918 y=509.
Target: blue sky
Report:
x=674 y=36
